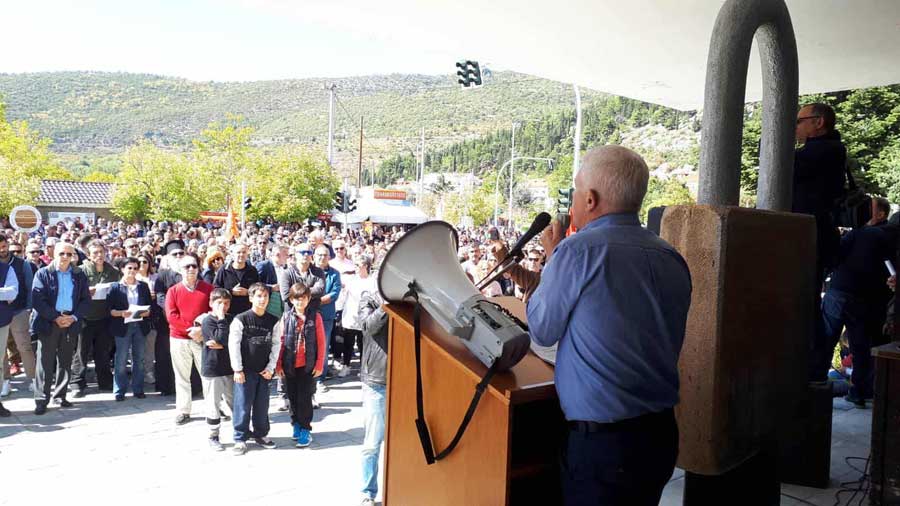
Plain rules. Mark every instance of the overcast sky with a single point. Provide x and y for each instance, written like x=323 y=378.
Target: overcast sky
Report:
x=223 y=40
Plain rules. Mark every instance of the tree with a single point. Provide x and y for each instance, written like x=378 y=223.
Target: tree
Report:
x=290 y=185
x=664 y=192
x=160 y=185
x=25 y=159
x=224 y=150
x=99 y=177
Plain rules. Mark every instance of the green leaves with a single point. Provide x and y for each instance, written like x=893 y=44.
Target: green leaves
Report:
x=25 y=159
x=286 y=184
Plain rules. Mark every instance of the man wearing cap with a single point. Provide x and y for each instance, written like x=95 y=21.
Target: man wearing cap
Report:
x=60 y=299
x=303 y=271
x=168 y=277
x=95 y=340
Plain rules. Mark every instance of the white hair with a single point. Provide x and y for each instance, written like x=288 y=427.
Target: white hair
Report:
x=618 y=175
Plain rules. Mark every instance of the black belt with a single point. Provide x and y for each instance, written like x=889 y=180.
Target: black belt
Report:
x=637 y=422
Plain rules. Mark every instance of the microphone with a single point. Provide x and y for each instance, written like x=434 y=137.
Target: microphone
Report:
x=537 y=226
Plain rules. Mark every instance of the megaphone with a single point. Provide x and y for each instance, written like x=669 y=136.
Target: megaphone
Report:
x=423 y=266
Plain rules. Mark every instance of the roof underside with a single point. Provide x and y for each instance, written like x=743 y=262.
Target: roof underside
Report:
x=652 y=50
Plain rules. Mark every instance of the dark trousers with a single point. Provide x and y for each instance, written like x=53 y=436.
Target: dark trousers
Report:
x=343 y=349
x=629 y=464
x=94 y=343
x=251 y=402
x=863 y=320
x=162 y=369
x=300 y=389
x=54 y=359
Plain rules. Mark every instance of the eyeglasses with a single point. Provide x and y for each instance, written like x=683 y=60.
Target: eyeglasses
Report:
x=534 y=259
x=177 y=253
x=305 y=252
x=340 y=248
x=189 y=266
x=66 y=254
x=800 y=119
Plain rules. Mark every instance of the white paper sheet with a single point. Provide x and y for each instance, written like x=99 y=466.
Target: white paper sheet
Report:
x=135 y=309
x=101 y=291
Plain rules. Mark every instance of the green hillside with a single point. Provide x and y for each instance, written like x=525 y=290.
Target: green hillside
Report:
x=98 y=112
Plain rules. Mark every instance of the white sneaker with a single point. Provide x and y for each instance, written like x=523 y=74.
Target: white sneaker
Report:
x=344 y=372
x=337 y=366
x=31 y=386
x=321 y=387
x=4 y=392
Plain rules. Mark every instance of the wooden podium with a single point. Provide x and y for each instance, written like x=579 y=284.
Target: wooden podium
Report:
x=510 y=451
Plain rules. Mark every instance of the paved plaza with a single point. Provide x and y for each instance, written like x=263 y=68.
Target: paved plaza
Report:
x=102 y=451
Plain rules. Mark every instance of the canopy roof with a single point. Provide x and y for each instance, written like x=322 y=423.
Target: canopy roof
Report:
x=377 y=211
x=652 y=50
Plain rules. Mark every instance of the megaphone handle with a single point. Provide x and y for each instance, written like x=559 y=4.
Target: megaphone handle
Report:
x=421 y=424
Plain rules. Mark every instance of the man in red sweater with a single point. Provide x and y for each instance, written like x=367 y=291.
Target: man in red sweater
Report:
x=185 y=301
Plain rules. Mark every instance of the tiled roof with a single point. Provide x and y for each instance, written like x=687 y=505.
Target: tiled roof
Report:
x=75 y=192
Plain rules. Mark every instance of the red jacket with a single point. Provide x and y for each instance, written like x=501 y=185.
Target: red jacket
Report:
x=183 y=306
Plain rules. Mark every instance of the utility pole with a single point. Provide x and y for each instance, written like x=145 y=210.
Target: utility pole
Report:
x=421 y=169
x=575 y=159
x=330 y=87
x=359 y=171
x=512 y=163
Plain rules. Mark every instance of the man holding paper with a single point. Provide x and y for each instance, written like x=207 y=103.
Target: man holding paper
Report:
x=129 y=308
x=95 y=341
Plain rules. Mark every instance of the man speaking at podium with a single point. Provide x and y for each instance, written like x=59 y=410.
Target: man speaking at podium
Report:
x=615 y=297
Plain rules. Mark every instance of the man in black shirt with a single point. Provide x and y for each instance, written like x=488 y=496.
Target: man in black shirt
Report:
x=237 y=277
x=819 y=176
x=856 y=299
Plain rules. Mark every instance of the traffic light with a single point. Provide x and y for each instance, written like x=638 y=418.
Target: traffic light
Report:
x=339 y=201
x=351 y=204
x=468 y=73
x=564 y=202
x=248 y=201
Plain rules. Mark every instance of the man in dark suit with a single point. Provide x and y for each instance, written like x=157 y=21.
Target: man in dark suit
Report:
x=60 y=298
x=856 y=299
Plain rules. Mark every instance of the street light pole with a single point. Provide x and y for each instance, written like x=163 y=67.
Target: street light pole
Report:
x=575 y=159
x=497 y=180
x=512 y=159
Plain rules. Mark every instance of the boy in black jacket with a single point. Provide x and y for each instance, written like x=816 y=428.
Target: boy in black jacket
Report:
x=254 y=349
x=215 y=363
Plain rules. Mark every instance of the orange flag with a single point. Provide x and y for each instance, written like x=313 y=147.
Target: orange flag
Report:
x=231 y=228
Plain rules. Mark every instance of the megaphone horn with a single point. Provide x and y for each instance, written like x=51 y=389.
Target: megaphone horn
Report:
x=425 y=259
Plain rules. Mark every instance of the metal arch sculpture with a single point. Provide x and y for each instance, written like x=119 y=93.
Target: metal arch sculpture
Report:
x=723 y=106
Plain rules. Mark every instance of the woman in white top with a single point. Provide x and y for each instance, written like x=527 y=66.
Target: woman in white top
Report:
x=354 y=287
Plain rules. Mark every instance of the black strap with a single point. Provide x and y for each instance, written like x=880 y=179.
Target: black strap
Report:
x=421 y=425
x=851 y=183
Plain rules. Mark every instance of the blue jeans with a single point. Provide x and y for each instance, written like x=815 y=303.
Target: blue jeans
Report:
x=251 y=401
x=373 y=421
x=132 y=340
x=329 y=328
x=840 y=310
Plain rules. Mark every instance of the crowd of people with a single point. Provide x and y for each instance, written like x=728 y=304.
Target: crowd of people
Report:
x=186 y=309
x=196 y=310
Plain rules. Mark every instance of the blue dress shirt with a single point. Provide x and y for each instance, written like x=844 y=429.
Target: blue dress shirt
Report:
x=66 y=289
x=615 y=296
